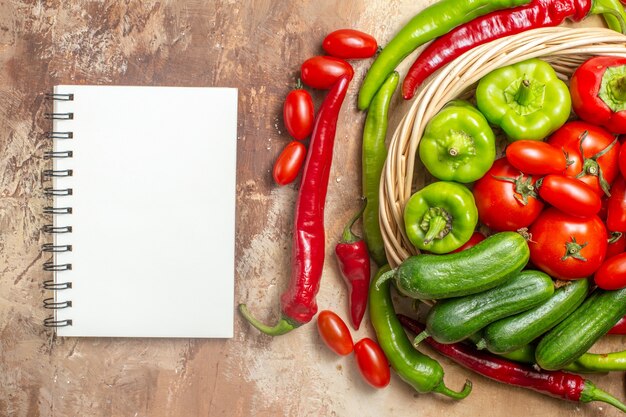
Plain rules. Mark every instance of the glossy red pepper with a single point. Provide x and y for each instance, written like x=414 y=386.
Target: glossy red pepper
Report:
x=307 y=258
x=558 y=384
x=495 y=25
x=354 y=263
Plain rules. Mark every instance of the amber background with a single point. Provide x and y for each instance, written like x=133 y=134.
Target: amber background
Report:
x=256 y=46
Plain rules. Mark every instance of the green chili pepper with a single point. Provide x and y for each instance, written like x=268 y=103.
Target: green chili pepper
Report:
x=458 y=143
x=432 y=22
x=373 y=158
x=422 y=372
x=440 y=217
x=527 y=100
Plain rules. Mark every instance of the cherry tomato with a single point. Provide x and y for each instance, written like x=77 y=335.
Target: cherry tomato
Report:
x=477 y=237
x=298 y=113
x=505 y=198
x=600 y=153
x=289 y=162
x=321 y=72
x=372 y=363
x=334 y=333
x=570 y=195
x=566 y=246
x=534 y=157
x=349 y=44
x=616 y=207
x=616 y=244
x=612 y=273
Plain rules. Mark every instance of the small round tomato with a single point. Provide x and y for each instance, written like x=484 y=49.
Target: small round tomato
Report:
x=289 y=162
x=334 y=333
x=597 y=165
x=350 y=44
x=505 y=198
x=476 y=237
x=322 y=72
x=612 y=273
x=298 y=113
x=616 y=207
x=534 y=157
x=570 y=195
x=372 y=363
x=566 y=246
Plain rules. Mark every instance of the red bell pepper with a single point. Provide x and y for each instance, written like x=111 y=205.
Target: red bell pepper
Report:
x=598 y=89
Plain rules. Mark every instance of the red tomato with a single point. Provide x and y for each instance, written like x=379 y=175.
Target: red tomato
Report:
x=349 y=44
x=566 y=246
x=298 y=113
x=289 y=162
x=612 y=274
x=616 y=245
x=570 y=195
x=600 y=149
x=505 y=198
x=372 y=363
x=534 y=157
x=477 y=237
x=334 y=333
x=616 y=207
x=322 y=71
x=622 y=160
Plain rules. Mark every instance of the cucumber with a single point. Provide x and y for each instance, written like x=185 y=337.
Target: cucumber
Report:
x=581 y=329
x=516 y=331
x=453 y=320
x=479 y=268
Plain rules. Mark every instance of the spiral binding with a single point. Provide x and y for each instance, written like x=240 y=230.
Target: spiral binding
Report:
x=51 y=248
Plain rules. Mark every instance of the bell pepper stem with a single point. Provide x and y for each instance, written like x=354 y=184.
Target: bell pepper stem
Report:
x=457 y=395
x=618 y=88
x=592 y=393
x=283 y=326
x=524 y=94
x=613 y=8
x=348 y=236
x=435 y=224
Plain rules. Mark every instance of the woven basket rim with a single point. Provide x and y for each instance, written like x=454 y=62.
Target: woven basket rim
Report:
x=564 y=47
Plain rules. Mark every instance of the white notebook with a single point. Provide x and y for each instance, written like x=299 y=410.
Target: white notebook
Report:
x=142 y=237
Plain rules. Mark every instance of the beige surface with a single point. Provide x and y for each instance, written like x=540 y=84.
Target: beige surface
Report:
x=257 y=47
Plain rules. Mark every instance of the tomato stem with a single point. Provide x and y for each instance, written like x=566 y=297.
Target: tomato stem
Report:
x=591 y=165
x=572 y=250
x=524 y=187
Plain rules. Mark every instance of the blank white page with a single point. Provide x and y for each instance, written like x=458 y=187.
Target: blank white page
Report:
x=153 y=211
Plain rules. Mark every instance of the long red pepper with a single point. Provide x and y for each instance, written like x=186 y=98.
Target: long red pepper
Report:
x=495 y=25
x=308 y=248
x=354 y=263
x=558 y=384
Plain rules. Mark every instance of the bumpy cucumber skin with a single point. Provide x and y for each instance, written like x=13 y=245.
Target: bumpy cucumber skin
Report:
x=479 y=268
x=451 y=321
x=513 y=332
x=581 y=329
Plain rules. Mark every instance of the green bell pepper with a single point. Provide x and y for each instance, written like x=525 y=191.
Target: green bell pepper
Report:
x=527 y=100
x=440 y=217
x=458 y=143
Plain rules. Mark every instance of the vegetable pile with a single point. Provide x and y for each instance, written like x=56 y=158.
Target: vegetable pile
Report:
x=521 y=253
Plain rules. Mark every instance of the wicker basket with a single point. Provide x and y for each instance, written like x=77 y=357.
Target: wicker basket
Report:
x=565 y=48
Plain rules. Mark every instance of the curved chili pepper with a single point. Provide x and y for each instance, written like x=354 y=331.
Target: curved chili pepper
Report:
x=558 y=384
x=422 y=372
x=308 y=247
x=433 y=21
x=495 y=25
x=374 y=154
x=354 y=264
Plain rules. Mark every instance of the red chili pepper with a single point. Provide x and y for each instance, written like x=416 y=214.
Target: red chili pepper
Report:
x=558 y=384
x=495 y=25
x=308 y=248
x=620 y=327
x=354 y=264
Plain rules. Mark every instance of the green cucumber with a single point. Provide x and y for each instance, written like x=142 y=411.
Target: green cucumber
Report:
x=580 y=330
x=450 y=321
x=516 y=331
x=479 y=268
